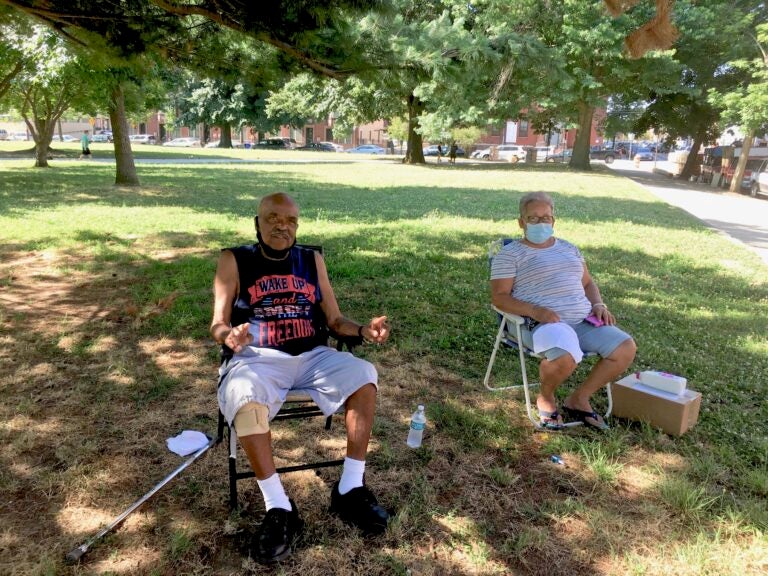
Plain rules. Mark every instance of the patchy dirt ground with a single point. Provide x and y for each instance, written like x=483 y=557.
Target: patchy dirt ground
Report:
x=88 y=401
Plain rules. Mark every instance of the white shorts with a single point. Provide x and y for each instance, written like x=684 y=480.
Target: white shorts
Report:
x=265 y=376
x=602 y=340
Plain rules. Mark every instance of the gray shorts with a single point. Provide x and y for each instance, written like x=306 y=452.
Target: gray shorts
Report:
x=265 y=376
x=601 y=340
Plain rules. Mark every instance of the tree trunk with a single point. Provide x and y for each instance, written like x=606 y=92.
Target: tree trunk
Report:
x=415 y=152
x=742 y=165
x=691 y=167
x=580 y=157
x=226 y=136
x=44 y=128
x=125 y=168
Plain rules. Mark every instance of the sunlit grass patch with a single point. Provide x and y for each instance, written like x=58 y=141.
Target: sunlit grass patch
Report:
x=473 y=429
x=685 y=498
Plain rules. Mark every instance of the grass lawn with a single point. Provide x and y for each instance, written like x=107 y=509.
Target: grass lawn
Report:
x=105 y=300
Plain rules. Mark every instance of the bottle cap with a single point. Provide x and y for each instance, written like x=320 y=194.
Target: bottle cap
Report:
x=420 y=407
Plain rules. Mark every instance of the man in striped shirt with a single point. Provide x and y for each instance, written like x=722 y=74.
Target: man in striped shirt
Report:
x=546 y=280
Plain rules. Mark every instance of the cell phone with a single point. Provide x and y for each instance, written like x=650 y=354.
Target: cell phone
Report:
x=594 y=320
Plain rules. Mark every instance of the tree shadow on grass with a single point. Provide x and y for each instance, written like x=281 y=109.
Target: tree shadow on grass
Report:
x=236 y=192
x=105 y=366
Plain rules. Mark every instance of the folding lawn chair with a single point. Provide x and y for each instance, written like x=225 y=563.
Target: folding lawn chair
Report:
x=509 y=335
x=298 y=405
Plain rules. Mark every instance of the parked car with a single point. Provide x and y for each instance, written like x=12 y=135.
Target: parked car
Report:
x=291 y=143
x=511 y=153
x=432 y=150
x=4 y=134
x=235 y=144
x=101 y=138
x=753 y=165
x=481 y=153
x=318 y=147
x=759 y=180
x=186 y=142
x=607 y=155
x=274 y=144
x=544 y=152
x=367 y=149
x=148 y=139
x=66 y=138
x=562 y=156
x=19 y=136
x=643 y=154
x=336 y=147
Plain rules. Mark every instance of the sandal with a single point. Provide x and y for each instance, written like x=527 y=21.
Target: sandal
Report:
x=582 y=415
x=550 y=420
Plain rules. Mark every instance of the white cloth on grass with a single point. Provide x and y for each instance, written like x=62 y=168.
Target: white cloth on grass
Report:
x=187 y=442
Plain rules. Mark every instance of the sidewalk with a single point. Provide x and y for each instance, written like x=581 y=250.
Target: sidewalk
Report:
x=742 y=218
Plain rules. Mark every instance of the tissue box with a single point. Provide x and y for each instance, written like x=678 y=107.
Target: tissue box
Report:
x=662 y=381
x=673 y=413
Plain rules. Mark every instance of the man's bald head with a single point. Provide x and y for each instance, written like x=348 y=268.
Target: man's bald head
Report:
x=277 y=199
x=277 y=221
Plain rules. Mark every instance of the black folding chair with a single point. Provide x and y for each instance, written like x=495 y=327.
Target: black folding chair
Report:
x=298 y=405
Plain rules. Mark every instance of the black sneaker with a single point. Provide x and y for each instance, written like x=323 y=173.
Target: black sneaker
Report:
x=277 y=534
x=360 y=508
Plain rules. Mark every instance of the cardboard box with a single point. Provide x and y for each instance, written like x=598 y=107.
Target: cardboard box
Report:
x=673 y=413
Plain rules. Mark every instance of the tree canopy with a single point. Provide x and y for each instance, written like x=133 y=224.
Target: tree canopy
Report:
x=307 y=32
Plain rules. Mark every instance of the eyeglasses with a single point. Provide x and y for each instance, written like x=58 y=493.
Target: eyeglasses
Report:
x=274 y=220
x=540 y=219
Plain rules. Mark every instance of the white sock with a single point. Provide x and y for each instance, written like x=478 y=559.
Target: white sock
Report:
x=351 y=475
x=274 y=494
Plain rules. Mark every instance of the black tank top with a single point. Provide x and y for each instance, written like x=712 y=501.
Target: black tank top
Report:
x=280 y=299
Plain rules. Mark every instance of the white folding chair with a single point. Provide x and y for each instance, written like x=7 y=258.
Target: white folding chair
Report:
x=510 y=335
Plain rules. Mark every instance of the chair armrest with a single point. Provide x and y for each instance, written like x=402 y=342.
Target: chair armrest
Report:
x=519 y=320
x=349 y=341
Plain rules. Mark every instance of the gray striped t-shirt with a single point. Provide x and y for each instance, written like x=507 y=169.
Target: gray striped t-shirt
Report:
x=549 y=277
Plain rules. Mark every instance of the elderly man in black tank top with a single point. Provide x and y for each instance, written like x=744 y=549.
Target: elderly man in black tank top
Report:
x=268 y=297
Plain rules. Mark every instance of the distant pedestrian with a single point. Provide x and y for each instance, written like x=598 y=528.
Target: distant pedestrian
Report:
x=452 y=152
x=439 y=153
x=85 y=145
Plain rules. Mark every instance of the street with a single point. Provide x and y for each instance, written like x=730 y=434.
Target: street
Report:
x=739 y=216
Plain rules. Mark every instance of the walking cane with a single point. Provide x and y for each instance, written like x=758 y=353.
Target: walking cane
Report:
x=77 y=553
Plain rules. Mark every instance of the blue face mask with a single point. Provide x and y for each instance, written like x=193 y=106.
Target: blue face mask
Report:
x=538 y=233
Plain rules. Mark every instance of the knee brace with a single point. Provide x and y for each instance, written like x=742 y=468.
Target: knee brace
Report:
x=252 y=419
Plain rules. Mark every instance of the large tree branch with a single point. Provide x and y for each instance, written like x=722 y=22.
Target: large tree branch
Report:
x=762 y=49
x=232 y=15
x=222 y=18
x=5 y=81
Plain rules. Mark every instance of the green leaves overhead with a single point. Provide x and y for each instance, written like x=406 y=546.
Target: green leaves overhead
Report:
x=311 y=33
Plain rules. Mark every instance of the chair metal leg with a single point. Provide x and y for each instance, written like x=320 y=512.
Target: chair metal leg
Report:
x=486 y=381
x=235 y=475
x=232 y=467
x=501 y=334
x=524 y=373
x=220 y=428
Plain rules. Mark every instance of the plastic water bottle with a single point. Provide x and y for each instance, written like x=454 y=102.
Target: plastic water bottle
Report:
x=418 y=423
